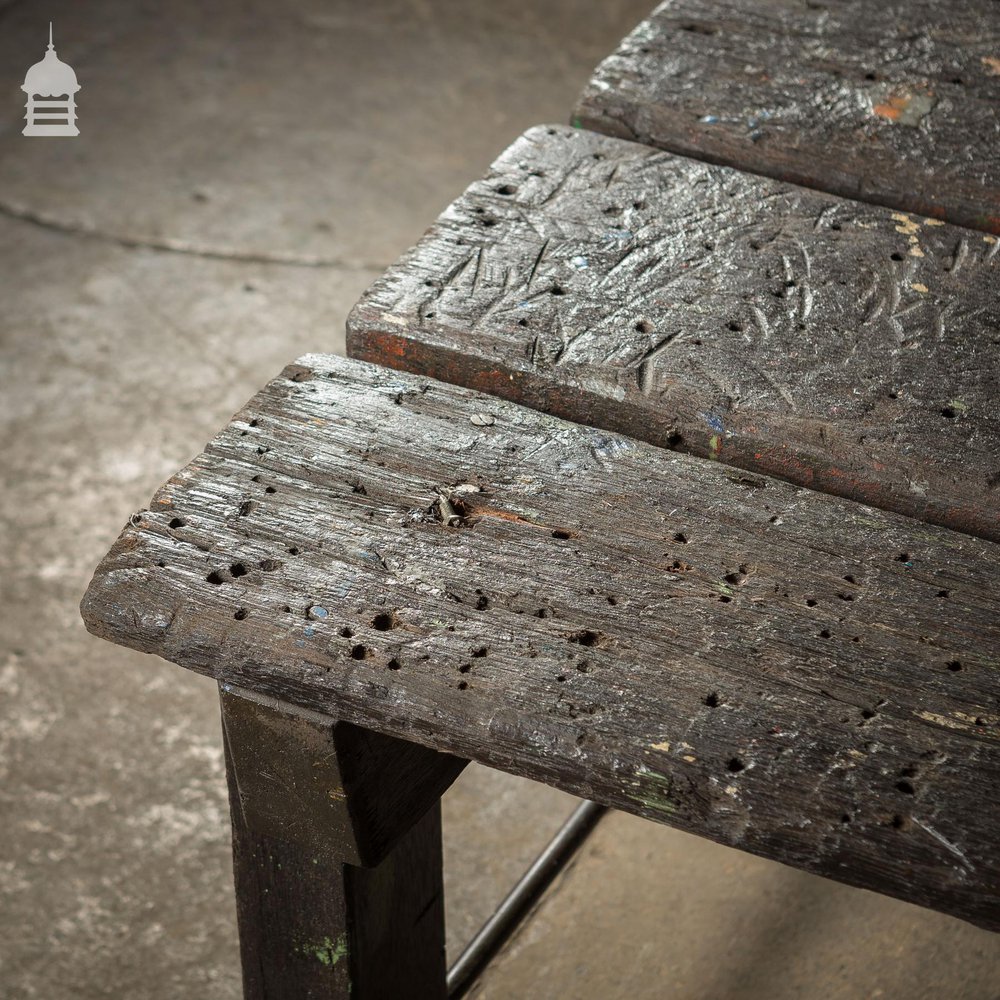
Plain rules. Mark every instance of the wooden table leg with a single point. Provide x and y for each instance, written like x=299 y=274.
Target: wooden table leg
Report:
x=336 y=855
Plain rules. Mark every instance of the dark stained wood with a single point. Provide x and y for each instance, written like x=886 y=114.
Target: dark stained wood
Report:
x=790 y=673
x=894 y=103
x=310 y=925
x=342 y=792
x=837 y=345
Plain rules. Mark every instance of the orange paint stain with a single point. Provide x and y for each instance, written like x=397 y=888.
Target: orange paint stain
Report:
x=893 y=107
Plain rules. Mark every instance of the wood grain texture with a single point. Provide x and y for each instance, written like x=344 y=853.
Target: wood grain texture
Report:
x=796 y=675
x=837 y=345
x=894 y=103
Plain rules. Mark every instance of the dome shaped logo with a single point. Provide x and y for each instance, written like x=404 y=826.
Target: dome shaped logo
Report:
x=51 y=88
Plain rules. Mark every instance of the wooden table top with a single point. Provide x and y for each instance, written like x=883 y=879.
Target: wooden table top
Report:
x=841 y=346
x=793 y=674
x=894 y=103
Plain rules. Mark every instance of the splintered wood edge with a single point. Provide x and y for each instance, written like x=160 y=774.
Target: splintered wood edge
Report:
x=795 y=675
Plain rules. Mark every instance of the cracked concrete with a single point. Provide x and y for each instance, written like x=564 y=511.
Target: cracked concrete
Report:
x=243 y=171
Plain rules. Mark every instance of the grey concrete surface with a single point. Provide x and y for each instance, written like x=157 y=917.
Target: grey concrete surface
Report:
x=648 y=913
x=244 y=169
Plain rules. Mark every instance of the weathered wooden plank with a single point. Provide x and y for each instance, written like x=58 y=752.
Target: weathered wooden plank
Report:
x=305 y=799
x=894 y=103
x=794 y=674
x=841 y=346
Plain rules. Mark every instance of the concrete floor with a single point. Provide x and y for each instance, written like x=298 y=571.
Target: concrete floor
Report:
x=244 y=170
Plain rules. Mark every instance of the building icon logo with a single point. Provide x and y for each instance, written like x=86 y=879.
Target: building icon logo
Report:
x=51 y=88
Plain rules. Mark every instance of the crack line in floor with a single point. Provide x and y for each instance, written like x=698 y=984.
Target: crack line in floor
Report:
x=169 y=245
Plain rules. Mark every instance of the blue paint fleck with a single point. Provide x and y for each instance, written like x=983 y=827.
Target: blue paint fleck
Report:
x=709 y=119
x=318 y=612
x=300 y=642
x=309 y=631
x=715 y=422
x=580 y=262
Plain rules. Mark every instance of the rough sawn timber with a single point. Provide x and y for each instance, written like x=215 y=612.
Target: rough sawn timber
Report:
x=894 y=103
x=838 y=345
x=793 y=674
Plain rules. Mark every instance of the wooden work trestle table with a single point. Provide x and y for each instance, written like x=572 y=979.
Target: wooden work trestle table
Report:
x=654 y=477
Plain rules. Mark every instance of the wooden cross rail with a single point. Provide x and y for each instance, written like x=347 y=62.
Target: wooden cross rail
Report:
x=789 y=673
x=841 y=346
x=892 y=102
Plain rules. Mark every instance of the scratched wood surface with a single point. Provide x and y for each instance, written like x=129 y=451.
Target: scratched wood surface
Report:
x=842 y=346
x=794 y=674
x=894 y=103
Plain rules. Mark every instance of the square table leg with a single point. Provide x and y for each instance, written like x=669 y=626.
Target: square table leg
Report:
x=336 y=856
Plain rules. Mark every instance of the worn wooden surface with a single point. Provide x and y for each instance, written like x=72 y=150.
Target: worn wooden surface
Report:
x=894 y=103
x=841 y=346
x=794 y=674
x=310 y=925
